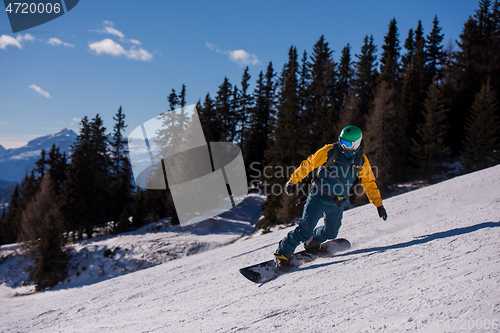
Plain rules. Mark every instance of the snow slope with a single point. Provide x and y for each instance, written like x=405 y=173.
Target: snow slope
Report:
x=104 y=257
x=433 y=266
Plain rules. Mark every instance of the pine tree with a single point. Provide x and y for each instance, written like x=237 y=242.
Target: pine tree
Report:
x=100 y=210
x=316 y=120
x=86 y=191
x=472 y=67
x=481 y=140
x=237 y=116
x=288 y=139
x=30 y=185
x=244 y=110
x=345 y=76
x=121 y=186
x=270 y=103
x=224 y=109
x=419 y=33
x=414 y=91
x=287 y=149
x=173 y=100
x=11 y=224
x=52 y=261
x=407 y=59
x=430 y=151
x=389 y=63
x=365 y=77
x=434 y=52
x=258 y=131
x=304 y=81
x=182 y=97
x=20 y=199
x=211 y=121
x=41 y=163
x=259 y=122
x=58 y=168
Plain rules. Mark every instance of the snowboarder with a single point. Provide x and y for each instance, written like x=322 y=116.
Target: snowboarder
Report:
x=339 y=166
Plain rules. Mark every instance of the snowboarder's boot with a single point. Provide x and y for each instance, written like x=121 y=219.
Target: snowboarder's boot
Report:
x=282 y=261
x=313 y=247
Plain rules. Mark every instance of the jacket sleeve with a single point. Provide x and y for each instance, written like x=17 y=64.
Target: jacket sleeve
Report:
x=368 y=182
x=313 y=161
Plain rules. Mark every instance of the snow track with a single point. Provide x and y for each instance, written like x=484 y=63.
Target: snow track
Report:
x=433 y=266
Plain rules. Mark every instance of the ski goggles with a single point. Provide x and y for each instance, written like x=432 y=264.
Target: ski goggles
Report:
x=348 y=145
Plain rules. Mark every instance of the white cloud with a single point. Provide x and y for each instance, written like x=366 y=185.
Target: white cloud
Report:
x=139 y=54
x=40 y=91
x=6 y=40
x=241 y=57
x=26 y=37
x=108 y=46
x=56 y=41
x=76 y=121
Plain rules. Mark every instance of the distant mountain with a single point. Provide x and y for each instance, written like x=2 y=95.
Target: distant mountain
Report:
x=14 y=163
x=2 y=150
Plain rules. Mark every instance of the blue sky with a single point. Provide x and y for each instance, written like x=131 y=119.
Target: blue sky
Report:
x=107 y=54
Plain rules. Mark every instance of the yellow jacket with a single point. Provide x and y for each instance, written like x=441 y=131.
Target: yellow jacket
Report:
x=320 y=157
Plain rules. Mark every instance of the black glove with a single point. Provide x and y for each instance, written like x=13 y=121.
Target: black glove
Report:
x=382 y=213
x=290 y=188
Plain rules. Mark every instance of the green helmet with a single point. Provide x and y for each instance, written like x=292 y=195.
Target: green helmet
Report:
x=350 y=138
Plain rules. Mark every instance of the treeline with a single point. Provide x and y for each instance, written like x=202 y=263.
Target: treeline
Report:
x=424 y=107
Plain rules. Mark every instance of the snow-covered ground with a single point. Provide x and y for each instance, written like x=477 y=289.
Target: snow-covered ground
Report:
x=101 y=258
x=433 y=266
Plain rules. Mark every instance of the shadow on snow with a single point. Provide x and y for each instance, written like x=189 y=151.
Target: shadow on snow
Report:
x=418 y=241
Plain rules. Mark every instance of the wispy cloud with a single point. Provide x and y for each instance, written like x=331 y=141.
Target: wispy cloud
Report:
x=6 y=40
x=56 y=41
x=213 y=47
x=108 y=28
x=76 y=121
x=241 y=57
x=114 y=32
x=40 y=91
x=109 y=46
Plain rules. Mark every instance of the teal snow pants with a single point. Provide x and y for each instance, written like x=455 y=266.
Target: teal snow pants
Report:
x=315 y=206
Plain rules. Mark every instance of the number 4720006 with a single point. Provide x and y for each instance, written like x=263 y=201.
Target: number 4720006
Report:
x=32 y=8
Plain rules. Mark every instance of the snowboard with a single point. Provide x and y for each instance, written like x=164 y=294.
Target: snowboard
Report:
x=266 y=271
